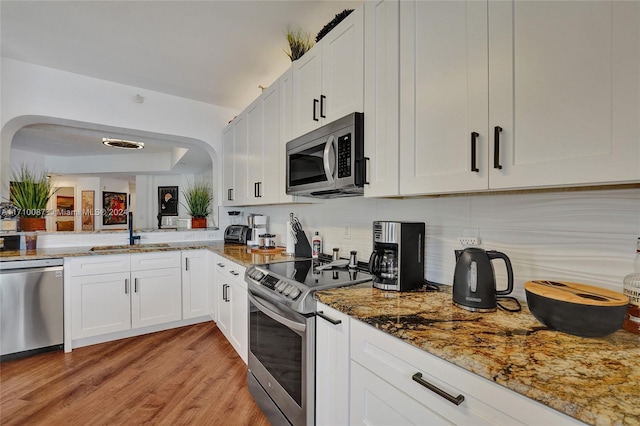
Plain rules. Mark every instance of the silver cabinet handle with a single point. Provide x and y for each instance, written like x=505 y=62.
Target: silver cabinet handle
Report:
x=220 y=264
x=234 y=273
x=126 y=286
x=328 y=318
x=457 y=400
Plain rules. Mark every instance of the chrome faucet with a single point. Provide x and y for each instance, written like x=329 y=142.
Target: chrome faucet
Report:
x=132 y=238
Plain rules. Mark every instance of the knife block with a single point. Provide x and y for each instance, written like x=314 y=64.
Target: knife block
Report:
x=302 y=247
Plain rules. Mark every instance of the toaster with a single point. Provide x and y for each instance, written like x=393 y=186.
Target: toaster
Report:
x=237 y=234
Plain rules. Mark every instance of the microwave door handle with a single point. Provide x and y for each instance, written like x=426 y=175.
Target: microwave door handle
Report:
x=327 y=158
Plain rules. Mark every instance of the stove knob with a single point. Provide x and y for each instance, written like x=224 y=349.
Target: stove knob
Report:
x=288 y=290
x=258 y=275
x=295 y=293
x=280 y=285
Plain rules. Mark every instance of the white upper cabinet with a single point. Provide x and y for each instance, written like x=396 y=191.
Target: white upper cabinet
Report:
x=328 y=79
x=381 y=97
x=264 y=153
x=564 y=88
x=443 y=85
x=234 y=155
x=521 y=94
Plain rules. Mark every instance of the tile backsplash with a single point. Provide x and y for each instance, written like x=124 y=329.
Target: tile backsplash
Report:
x=584 y=236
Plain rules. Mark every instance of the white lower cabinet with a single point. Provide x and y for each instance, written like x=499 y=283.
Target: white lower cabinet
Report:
x=233 y=304
x=115 y=293
x=332 y=367
x=195 y=283
x=384 y=389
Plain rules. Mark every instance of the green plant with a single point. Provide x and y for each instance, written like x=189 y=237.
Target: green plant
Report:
x=30 y=191
x=198 y=198
x=299 y=43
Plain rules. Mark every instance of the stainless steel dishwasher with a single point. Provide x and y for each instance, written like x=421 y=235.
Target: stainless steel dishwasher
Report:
x=31 y=307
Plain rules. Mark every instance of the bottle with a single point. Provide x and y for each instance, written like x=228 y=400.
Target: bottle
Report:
x=631 y=288
x=316 y=246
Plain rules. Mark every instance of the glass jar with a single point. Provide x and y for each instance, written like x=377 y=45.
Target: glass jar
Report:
x=631 y=288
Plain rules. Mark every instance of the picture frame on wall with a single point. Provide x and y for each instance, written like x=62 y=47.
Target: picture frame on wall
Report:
x=88 y=210
x=114 y=208
x=168 y=200
x=64 y=205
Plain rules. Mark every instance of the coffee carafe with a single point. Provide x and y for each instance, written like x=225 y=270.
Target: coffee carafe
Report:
x=397 y=260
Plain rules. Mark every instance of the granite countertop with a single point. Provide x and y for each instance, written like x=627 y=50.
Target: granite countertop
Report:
x=241 y=254
x=596 y=380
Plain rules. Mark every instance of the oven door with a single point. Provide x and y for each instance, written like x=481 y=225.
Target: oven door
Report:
x=311 y=166
x=282 y=358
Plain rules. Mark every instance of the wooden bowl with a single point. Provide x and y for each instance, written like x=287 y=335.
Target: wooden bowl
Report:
x=577 y=309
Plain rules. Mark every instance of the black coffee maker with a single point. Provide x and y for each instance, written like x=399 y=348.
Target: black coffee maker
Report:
x=397 y=261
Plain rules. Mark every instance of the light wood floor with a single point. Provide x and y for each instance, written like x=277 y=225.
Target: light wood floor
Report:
x=185 y=376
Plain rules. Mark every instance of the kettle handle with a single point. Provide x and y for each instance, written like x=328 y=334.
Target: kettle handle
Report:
x=499 y=255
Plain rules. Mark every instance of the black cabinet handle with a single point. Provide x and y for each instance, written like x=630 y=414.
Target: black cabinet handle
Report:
x=135 y=285
x=457 y=400
x=126 y=286
x=331 y=320
x=255 y=189
x=364 y=177
x=496 y=148
x=186 y=264
x=224 y=292
x=230 y=194
x=259 y=189
x=322 y=99
x=315 y=105
x=474 y=147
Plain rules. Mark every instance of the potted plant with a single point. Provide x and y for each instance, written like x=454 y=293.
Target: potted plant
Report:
x=30 y=191
x=299 y=43
x=198 y=198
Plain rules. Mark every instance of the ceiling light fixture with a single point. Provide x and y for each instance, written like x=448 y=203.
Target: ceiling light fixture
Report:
x=122 y=144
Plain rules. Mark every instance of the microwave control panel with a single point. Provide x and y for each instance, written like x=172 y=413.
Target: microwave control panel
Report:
x=344 y=156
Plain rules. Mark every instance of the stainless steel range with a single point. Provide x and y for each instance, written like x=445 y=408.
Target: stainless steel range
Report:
x=282 y=318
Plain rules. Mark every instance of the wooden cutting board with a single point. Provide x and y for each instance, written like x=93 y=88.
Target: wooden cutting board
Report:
x=582 y=294
x=258 y=250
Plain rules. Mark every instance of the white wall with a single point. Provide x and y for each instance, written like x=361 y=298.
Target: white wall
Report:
x=34 y=94
x=585 y=236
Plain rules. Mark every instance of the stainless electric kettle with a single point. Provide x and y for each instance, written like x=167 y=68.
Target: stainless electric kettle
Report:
x=474 y=281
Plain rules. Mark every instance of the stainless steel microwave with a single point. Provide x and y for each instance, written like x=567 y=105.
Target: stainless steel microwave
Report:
x=328 y=162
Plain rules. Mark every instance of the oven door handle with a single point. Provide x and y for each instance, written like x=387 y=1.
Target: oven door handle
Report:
x=268 y=309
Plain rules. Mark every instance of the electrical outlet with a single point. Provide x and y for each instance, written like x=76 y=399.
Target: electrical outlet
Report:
x=469 y=241
x=347 y=231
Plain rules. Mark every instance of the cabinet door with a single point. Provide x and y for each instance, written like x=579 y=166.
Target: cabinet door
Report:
x=343 y=68
x=332 y=368
x=228 y=169
x=263 y=141
x=255 y=149
x=100 y=304
x=155 y=297
x=195 y=284
x=307 y=86
x=564 y=88
x=285 y=83
x=381 y=97
x=444 y=96
x=376 y=402
x=239 y=323
x=240 y=140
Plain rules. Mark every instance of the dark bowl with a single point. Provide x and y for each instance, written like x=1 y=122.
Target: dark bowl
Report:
x=577 y=319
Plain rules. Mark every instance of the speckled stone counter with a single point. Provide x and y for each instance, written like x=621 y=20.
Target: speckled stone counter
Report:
x=596 y=380
x=241 y=254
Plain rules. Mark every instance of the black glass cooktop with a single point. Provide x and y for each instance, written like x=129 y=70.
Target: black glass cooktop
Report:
x=308 y=272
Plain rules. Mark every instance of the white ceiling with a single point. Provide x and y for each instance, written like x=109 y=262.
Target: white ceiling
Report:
x=211 y=51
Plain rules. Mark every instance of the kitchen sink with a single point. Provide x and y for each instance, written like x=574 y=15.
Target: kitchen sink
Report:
x=128 y=247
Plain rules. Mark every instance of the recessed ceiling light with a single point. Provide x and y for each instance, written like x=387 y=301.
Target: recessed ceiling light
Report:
x=122 y=144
